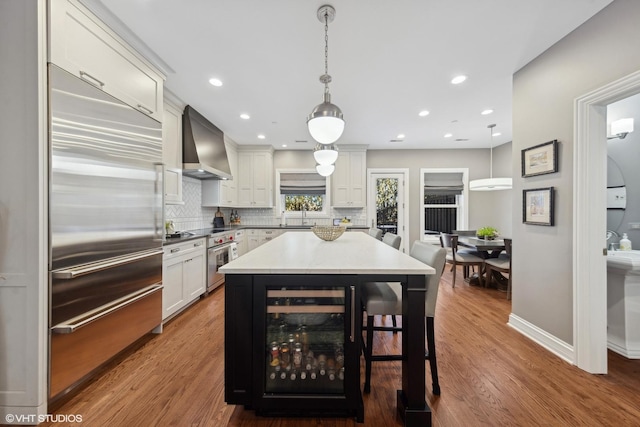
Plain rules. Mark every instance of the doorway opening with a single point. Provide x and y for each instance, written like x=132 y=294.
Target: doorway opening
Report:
x=589 y=214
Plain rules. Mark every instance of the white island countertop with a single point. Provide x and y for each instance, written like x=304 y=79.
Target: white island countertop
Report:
x=305 y=253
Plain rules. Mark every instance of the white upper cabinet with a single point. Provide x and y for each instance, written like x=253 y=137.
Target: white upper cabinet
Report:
x=348 y=187
x=81 y=44
x=223 y=192
x=172 y=153
x=255 y=177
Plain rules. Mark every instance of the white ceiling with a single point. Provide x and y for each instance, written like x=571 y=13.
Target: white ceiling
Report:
x=388 y=60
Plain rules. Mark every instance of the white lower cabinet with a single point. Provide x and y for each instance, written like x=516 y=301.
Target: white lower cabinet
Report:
x=184 y=275
x=257 y=237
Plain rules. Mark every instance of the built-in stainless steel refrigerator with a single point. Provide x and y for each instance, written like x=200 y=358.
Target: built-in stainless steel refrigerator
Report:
x=106 y=227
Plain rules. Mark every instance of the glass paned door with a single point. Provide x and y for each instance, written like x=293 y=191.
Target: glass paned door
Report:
x=386 y=206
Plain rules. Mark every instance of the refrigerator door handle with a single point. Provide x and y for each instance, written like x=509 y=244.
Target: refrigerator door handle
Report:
x=73 y=325
x=72 y=273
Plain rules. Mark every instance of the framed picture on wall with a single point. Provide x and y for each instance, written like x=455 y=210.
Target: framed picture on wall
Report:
x=540 y=159
x=537 y=206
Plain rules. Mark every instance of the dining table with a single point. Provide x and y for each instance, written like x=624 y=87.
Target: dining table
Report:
x=486 y=248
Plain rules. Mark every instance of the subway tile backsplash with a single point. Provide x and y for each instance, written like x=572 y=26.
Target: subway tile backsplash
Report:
x=192 y=216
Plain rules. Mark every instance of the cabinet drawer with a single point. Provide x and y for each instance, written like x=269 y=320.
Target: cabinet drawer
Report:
x=180 y=249
x=84 y=46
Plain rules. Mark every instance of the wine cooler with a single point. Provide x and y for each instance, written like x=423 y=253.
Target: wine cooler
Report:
x=305 y=348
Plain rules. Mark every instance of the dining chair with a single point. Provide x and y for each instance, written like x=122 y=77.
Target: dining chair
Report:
x=455 y=258
x=376 y=233
x=380 y=298
x=467 y=233
x=392 y=240
x=501 y=264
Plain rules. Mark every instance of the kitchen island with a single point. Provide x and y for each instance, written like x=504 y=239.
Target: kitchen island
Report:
x=261 y=282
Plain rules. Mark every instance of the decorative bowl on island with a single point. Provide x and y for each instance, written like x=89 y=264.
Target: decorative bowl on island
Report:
x=328 y=232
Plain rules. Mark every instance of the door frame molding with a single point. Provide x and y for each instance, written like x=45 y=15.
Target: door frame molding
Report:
x=589 y=221
x=405 y=214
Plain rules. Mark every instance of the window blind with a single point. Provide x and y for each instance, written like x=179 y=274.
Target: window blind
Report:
x=443 y=183
x=302 y=183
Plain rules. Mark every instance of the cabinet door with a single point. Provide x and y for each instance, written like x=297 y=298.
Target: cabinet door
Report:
x=172 y=295
x=172 y=154
x=262 y=167
x=245 y=179
x=357 y=179
x=340 y=180
x=81 y=44
x=194 y=276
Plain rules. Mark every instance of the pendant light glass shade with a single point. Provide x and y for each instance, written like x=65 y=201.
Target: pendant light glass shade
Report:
x=491 y=183
x=325 y=154
x=325 y=122
x=325 y=170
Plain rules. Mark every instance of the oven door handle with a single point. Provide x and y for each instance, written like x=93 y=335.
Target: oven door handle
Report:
x=74 y=324
x=72 y=273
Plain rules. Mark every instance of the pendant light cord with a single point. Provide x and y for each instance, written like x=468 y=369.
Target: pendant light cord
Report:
x=326 y=51
x=491 y=151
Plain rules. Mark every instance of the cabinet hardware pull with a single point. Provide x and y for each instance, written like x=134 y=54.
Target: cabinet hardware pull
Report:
x=173 y=251
x=90 y=79
x=352 y=337
x=145 y=109
x=72 y=273
x=197 y=244
x=76 y=323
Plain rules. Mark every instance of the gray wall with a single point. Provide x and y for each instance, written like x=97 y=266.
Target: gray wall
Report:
x=600 y=51
x=626 y=154
x=482 y=205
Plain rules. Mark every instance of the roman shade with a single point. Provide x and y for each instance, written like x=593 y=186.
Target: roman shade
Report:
x=443 y=183
x=302 y=183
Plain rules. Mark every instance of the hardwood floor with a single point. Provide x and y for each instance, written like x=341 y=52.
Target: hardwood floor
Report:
x=490 y=375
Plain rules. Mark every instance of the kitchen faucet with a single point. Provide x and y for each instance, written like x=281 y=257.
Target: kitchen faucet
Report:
x=611 y=233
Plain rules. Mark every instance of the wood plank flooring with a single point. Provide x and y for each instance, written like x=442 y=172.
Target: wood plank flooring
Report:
x=490 y=376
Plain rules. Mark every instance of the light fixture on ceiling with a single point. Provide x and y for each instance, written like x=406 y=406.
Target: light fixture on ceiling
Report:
x=325 y=154
x=325 y=170
x=325 y=122
x=621 y=128
x=491 y=183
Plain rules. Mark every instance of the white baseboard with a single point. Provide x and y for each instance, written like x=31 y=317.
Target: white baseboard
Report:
x=626 y=352
x=542 y=337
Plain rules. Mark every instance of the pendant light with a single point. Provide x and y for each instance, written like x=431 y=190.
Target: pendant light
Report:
x=325 y=154
x=325 y=122
x=491 y=183
x=325 y=170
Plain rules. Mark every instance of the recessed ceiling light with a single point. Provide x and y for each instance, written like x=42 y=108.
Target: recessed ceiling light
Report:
x=423 y=113
x=215 y=82
x=245 y=116
x=448 y=135
x=458 y=79
x=400 y=136
x=261 y=136
x=496 y=134
x=284 y=145
x=487 y=111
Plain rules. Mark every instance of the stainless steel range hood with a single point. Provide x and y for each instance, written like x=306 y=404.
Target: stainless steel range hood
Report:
x=204 y=155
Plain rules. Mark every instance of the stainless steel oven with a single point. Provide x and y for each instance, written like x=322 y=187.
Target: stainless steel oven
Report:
x=218 y=245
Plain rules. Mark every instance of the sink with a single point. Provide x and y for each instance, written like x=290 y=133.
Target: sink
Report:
x=623 y=303
x=626 y=260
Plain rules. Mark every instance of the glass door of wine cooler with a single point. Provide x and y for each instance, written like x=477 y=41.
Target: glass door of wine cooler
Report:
x=309 y=337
